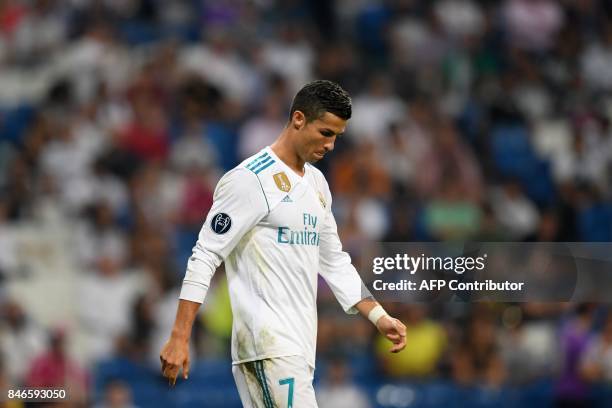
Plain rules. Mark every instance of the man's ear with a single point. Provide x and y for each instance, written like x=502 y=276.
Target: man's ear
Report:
x=298 y=120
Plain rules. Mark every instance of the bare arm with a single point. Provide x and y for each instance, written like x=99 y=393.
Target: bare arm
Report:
x=175 y=353
x=365 y=306
x=390 y=327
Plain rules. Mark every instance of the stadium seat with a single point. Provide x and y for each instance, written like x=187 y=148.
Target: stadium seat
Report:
x=14 y=123
x=595 y=223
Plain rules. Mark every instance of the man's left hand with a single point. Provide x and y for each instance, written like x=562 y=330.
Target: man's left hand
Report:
x=393 y=330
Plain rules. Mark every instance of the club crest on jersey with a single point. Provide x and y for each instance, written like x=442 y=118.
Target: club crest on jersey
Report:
x=282 y=181
x=322 y=200
x=221 y=223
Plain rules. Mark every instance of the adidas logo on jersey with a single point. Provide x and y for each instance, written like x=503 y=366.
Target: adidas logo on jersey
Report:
x=287 y=199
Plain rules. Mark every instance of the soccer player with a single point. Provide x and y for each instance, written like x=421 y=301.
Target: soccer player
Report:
x=272 y=224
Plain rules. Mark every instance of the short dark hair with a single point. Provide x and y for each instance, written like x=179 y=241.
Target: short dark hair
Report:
x=320 y=96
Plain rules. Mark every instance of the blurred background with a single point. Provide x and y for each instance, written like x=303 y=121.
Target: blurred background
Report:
x=473 y=120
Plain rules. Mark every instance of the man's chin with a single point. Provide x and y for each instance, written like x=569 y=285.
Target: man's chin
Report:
x=316 y=157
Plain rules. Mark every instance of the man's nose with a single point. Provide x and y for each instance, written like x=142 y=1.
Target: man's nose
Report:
x=329 y=146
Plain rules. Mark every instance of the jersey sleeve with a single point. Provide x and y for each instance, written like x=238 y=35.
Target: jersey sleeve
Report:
x=336 y=268
x=239 y=203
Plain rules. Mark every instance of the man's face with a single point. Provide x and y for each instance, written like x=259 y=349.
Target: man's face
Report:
x=316 y=138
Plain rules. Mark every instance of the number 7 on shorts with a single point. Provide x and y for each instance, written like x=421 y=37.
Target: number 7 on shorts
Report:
x=289 y=381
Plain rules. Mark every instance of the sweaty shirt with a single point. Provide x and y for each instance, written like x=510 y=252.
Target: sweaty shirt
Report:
x=276 y=232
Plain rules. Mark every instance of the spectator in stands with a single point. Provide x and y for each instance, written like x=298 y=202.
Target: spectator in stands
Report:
x=337 y=391
x=262 y=129
x=56 y=369
x=514 y=211
x=596 y=364
x=476 y=360
x=117 y=395
x=8 y=244
x=532 y=24
x=424 y=348
x=571 y=389
x=451 y=214
x=449 y=157
x=146 y=135
x=106 y=295
x=6 y=384
x=21 y=340
x=528 y=346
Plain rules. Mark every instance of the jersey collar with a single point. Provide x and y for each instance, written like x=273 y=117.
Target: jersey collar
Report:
x=294 y=178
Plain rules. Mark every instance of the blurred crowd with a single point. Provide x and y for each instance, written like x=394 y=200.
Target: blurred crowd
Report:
x=472 y=120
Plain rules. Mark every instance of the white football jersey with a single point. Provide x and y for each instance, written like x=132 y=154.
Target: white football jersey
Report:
x=275 y=231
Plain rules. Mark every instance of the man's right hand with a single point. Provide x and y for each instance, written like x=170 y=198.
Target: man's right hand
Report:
x=174 y=356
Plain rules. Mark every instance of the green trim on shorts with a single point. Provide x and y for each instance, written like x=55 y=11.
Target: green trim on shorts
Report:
x=261 y=378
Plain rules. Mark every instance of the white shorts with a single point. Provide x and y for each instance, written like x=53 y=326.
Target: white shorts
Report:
x=280 y=382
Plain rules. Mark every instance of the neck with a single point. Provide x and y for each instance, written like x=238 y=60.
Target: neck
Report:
x=284 y=149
